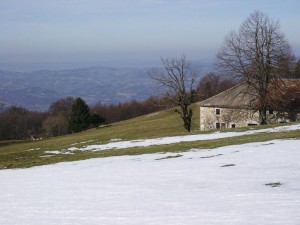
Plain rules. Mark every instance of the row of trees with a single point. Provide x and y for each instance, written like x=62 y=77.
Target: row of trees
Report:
x=128 y=110
x=64 y=116
x=67 y=115
x=18 y=123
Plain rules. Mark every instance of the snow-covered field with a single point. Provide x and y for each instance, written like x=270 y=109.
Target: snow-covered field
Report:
x=256 y=183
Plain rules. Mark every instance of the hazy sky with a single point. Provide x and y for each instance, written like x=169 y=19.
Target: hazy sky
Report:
x=61 y=31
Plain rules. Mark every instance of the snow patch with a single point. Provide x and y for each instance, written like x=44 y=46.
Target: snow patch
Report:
x=56 y=152
x=115 y=139
x=33 y=149
x=177 y=139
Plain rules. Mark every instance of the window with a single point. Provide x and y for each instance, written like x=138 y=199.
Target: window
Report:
x=220 y=125
x=218 y=112
x=252 y=124
x=271 y=111
x=233 y=125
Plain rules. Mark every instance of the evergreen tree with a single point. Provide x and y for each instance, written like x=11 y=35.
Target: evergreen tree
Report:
x=80 y=116
x=96 y=119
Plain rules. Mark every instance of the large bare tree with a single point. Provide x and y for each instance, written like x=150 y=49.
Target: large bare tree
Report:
x=178 y=77
x=258 y=54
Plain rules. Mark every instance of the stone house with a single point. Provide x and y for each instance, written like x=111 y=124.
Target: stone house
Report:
x=235 y=107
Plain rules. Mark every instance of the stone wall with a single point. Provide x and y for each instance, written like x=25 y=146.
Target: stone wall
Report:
x=227 y=118
x=218 y=118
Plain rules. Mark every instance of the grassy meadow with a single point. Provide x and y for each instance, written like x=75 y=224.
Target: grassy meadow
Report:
x=161 y=124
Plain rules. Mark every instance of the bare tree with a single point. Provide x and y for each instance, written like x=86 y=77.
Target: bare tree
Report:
x=55 y=125
x=257 y=54
x=178 y=78
x=62 y=106
x=59 y=114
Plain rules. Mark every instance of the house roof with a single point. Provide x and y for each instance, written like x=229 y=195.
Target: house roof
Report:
x=235 y=97
x=241 y=97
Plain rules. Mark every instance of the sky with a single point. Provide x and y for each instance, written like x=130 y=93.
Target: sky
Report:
x=78 y=33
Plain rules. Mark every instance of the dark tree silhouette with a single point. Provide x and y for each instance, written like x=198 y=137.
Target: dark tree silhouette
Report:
x=80 y=116
x=96 y=119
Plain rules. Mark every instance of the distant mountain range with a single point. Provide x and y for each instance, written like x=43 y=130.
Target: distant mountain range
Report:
x=37 y=90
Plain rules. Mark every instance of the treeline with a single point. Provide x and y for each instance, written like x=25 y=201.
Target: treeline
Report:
x=128 y=110
x=17 y=123
x=68 y=115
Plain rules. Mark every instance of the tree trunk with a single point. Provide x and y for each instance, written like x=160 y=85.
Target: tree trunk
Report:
x=263 y=116
x=187 y=119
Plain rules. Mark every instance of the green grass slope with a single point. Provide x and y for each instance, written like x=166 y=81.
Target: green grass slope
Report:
x=160 y=124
